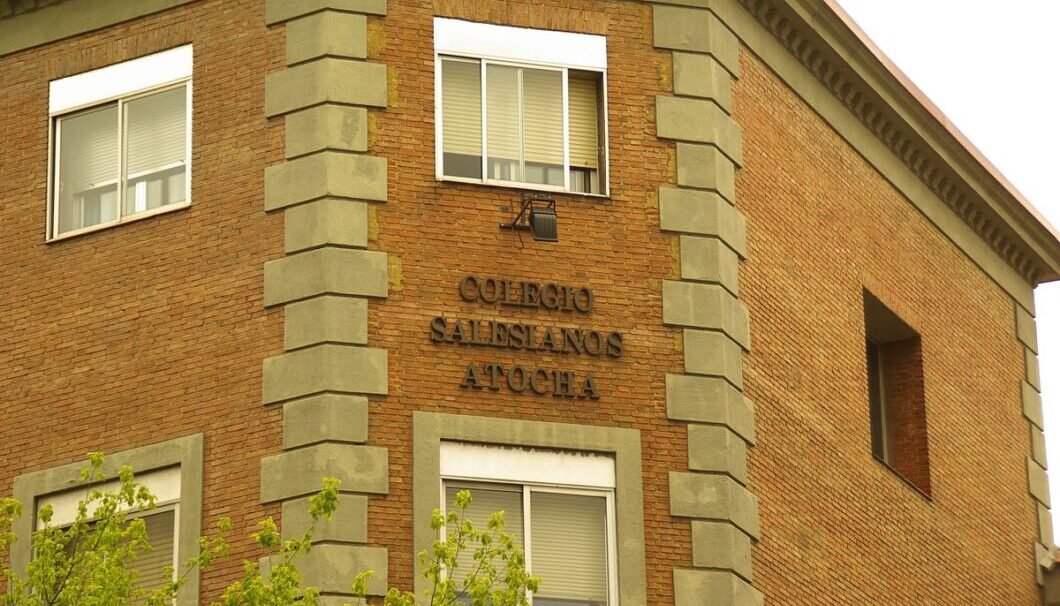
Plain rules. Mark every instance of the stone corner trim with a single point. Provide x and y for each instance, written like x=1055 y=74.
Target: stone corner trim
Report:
x=325 y=281
x=704 y=303
x=1031 y=405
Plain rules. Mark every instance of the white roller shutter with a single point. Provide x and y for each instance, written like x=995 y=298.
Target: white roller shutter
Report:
x=88 y=150
x=151 y=565
x=502 y=113
x=584 y=120
x=156 y=131
x=461 y=107
x=484 y=502
x=569 y=546
x=543 y=116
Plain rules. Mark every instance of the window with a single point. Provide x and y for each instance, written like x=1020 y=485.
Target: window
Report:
x=160 y=523
x=171 y=469
x=558 y=504
x=521 y=107
x=895 y=376
x=120 y=142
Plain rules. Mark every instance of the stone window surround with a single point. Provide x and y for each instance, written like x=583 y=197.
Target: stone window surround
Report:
x=430 y=429
x=187 y=452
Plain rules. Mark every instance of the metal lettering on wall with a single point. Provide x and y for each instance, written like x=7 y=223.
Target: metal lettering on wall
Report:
x=526 y=337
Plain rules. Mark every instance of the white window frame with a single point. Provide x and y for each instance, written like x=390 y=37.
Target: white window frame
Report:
x=488 y=44
x=544 y=470
x=119 y=83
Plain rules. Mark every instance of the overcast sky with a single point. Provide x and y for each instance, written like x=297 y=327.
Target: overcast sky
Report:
x=991 y=68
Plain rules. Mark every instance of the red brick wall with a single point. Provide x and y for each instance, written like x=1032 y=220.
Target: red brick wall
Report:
x=439 y=232
x=155 y=329
x=838 y=527
x=903 y=388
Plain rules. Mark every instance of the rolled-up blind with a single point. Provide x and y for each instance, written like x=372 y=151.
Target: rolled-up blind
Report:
x=484 y=502
x=569 y=546
x=584 y=119
x=88 y=150
x=156 y=131
x=502 y=113
x=461 y=108
x=543 y=116
x=151 y=565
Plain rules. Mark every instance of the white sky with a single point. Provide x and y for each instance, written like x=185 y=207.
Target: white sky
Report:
x=991 y=68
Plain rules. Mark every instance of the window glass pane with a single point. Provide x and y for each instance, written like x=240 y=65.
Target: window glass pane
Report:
x=568 y=547
x=484 y=501
x=502 y=123
x=462 y=119
x=87 y=171
x=543 y=126
x=156 y=150
x=150 y=565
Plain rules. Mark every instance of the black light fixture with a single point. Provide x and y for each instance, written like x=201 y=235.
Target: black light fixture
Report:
x=538 y=215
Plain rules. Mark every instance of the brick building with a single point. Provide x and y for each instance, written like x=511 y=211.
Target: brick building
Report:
x=782 y=348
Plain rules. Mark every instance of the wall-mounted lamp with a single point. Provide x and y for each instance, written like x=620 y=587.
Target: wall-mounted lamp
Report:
x=538 y=215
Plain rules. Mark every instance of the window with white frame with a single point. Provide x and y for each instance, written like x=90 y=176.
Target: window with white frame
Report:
x=521 y=107
x=558 y=504
x=161 y=523
x=121 y=141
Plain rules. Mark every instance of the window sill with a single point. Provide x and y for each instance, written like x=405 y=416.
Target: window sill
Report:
x=121 y=221
x=544 y=189
x=927 y=497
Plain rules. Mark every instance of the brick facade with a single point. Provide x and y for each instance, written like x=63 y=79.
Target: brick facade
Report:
x=157 y=329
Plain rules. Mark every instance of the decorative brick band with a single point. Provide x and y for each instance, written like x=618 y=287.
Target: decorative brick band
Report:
x=705 y=304
x=1037 y=479
x=324 y=283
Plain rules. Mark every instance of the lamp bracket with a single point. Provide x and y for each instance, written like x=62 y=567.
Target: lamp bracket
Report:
x=522 y=219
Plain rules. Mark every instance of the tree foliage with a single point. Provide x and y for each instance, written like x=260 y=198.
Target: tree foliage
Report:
x=91 y=561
